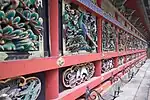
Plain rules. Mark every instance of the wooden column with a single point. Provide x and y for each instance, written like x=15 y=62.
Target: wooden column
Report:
x=52 y=76
x=117 y=48
x=99 y=32
x=98 y=64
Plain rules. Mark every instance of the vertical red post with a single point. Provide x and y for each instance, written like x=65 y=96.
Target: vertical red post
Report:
x=98 y=63
x=117 y=50
x=52 y=76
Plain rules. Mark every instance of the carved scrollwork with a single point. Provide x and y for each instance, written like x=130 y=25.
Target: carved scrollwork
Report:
x=108 y=37
x=20 y=88
x=78 y=74
x=107 y=65
x=79 y=29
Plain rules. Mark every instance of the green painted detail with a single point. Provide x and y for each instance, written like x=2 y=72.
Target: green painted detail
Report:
x=20 y=25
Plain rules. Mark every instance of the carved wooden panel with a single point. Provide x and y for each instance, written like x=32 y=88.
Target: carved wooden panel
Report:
x=128 y=57
x=108 y=37
x=121 y=60
x=77 y=74
x=79 y=29
x=107 y=65
x=129 y=42
x=20 y=88
x=21 y=29
x=121 y=41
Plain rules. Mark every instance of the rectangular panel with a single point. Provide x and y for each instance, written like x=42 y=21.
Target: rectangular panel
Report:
x=23 y=30
x=79 y=29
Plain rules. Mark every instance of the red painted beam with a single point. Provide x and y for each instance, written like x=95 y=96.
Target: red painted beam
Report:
x=52 y=76
x=23 y=67
x=103 y=87
x=107 y=55
x=77 y=59
x=106 y=75
x=79 y=90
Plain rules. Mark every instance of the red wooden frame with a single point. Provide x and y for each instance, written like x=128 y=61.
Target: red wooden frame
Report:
x=49 y=65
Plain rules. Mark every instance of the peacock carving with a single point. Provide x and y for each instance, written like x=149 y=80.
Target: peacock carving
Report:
x=79 y=29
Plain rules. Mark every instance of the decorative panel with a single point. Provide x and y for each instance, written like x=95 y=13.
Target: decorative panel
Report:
x=108 y=37
x=21 y=29
x=79 y=29
x=129 y=42
x=129 y=57
x=121 y=40
x=121 y=60
x=22 y=88
x=107 y=64
x=76 y=75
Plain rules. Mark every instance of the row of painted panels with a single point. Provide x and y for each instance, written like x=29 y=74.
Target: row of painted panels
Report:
x=31 y=87
x=24 y=31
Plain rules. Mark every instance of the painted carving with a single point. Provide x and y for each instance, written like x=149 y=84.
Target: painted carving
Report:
x=107 y=65
x=20 y=25
x=20 y=88
x=129 y=42
x=129 y=57
x=78 y=74
x=122 y=41
x=108 y=37
x=121 y=60
x=79 y=29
